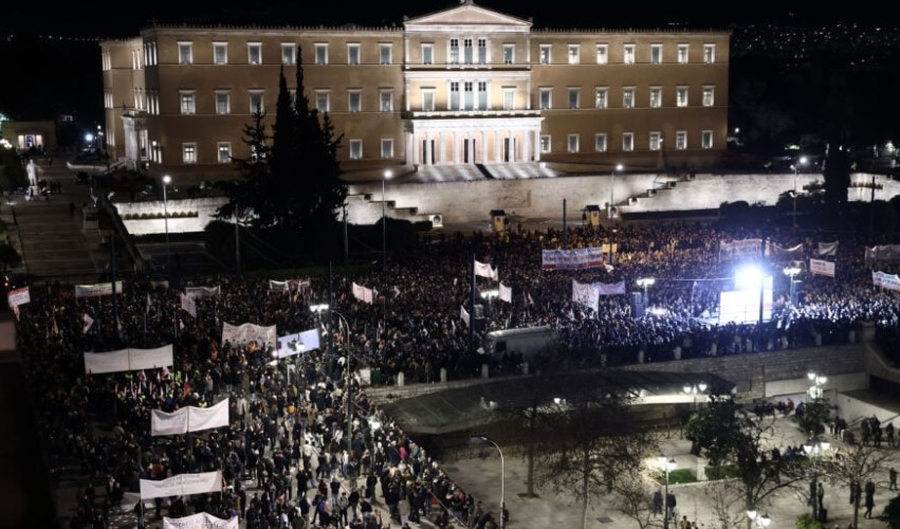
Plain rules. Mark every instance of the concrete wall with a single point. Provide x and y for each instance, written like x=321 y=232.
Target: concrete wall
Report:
x=202 y=211
x=851 y=408
x=799 y=386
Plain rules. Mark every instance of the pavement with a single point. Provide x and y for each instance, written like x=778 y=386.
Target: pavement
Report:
x=478 y=473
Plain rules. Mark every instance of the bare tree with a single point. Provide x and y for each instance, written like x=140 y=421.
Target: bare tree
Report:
x=634 y=491
x=854 y=468
x=727 y=501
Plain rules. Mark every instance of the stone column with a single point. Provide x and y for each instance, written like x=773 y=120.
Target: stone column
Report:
x=443 y=148
x=498 y=145
x=416 y=148
x=537 y=145
x=401 y=379
x=408 y=139
x=526 y=146
x=444 y=374
x=484 y=150
x=512 y=146
x=429 y=152
x=484 y=371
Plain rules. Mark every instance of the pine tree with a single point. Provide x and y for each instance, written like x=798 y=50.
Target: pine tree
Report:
x=285 y=162
x=251 y=192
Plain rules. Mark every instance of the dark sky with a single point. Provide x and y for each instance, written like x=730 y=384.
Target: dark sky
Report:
x=123 y=18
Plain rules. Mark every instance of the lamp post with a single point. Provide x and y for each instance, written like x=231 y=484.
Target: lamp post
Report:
x=384 y=177
x=668 y=464
x=341 y=319
x=694 y=390
x=815 y=390
x=791 y=272
x=760 y=520
x=801 y=161
x=502 y=480
x=646 y=282
x=612 y=185
x=815 y=449
x=166 y=181
x=490 y=295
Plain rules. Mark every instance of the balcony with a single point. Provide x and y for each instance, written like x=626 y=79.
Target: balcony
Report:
x=444 y=66
x=518 y=113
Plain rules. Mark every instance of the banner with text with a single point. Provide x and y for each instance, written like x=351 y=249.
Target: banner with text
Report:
x=19 y=296
x=188 y=419
x=127 y=360
x=248 y=332
x=888 y=252
x=188 y=304
x=572 y=259
x=887 y=281
x=100 y=289
x=291 y=344
x=587 y=294
x=780 y=253
x=203 y=292
x=821 y=268
x=366 y=295
x=741 y=249
x=201 y=520
x=611 y=289
x=181 y=485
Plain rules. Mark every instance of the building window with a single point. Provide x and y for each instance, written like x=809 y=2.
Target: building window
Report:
x=545 y=53
x=574 y=96
x=428 y=100
x=454 y=95
x=572 y=143
x=709 y=53
x=655 y=97
x=453 y=57
x=220 y=53
x=185 y=53
x=655 y=141
x=323 y=101
x=683 y=50
x=509 y=53
x=384 y=53
x=386 y=101
x=355 y=149
x=656 y=54
x=189 y=152
x=256 y=102
x=708 y=96
x=188 y=103
x=628 y=141
x=353 y=54
x=427 y=53
x=602 y=53
x=469 y=95
x=681 y=140
x=574 y=54
x=223 y=103
x=600 y=142
x=354 y=101
x=224 y=150
x=288 y=53
x=387 y=148
x=629 y=54
x=546 y=98
x=681 y=96
x=509 y=98
x=707 y=139
x=321 y=53
x=467 y=51
x=482 y=51
x=482 y=95
x=254 y=53
x=628 y=98
x=545 y=144
x=601 y=97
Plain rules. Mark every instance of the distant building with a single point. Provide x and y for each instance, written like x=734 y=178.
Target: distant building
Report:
x=464 y=85
x=24 y=135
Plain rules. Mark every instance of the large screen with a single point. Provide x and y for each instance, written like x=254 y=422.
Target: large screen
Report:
x=742 y=306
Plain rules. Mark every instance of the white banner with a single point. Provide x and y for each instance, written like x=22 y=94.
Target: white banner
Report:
x=181 y=485
x=288 y=345
x=610 y=289
x=572 y=259
x=201 y=520
x=88 y=321
x=189 y=305
x=19 y=296
x=820 y=267
x=203 y=292
x=278 y=286
x=486 y=270
x=464 y=314
x=742 y=249
x=505 y=293
x=884 y=280
x=366 y=295
x=248 y=332
x=127 y=360
x=887 y=252
x=828 y=248
x=776 y=252
x=100 y=289
x=189 y=419
x=586 y=294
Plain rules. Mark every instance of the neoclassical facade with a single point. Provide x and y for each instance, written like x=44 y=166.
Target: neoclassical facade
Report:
x=462 y=86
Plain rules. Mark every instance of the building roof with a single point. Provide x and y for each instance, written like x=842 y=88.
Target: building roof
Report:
x=467 y=13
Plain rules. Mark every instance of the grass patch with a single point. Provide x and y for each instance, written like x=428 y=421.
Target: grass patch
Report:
x=721 y=472
x=681 y=475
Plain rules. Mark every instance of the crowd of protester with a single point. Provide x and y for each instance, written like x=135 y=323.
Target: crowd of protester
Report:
x=285 y=457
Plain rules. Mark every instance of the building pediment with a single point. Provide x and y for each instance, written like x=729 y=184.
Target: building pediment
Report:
x=466 y=14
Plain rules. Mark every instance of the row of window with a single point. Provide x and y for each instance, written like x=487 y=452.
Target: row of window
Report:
x=188 y=101
x=573 y=141
x=288 y=53
x=601 y=97
x=223 y=151
x=629 y=53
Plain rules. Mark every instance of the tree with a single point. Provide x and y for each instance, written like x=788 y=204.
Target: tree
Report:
x=9 y=257
x=853 y=468
x=13 y=174
x=252 y=192
x=891 y=513
x=634 y=491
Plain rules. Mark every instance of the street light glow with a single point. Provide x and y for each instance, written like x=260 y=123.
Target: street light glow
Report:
x=620 y=167
x=748 y=277
x=804 y=160
x=490 y=294
x=167 y=179
x=388 y=174
x=646 y=282
x=791 y=271
x=88 y=137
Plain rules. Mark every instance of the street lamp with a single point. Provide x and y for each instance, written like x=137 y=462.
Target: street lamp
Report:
x=166 y=181
x=386 y=175
x=341 y=318
x=612 y=184
x=815 y=390
x=761 y=520
x=801 y=161
x=791 y=272
x=502 y=481
x=815 y=450
x=694 y=390
x=646 y=282
x=668 y=464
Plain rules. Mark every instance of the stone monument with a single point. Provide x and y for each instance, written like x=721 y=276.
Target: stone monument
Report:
x=33 y=190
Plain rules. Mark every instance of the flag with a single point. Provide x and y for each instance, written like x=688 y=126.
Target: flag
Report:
x=189 y=305
x=396 y=291
x=828 y=248
x=485 y=270
x=505 y=293
x=366 y=295
x=464 y=314
x=149 y=302
x=88 y=321
x=610 y=289
x=586 y=294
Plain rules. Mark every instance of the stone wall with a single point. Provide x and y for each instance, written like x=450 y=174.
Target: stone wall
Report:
x=185 y=215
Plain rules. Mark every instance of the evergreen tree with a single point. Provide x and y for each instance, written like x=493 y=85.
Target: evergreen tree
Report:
x=285 y=162
x=251 y=193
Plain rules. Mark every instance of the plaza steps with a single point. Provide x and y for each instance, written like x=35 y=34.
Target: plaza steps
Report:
x=52 y=242
x=662 y=185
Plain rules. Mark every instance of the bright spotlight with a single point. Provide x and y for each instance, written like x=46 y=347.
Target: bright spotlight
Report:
x=748 y=277
x=88 y=137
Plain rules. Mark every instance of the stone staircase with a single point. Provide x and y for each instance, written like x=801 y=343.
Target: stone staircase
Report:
x=367 y=209
x=52 y=242
x=662 y=184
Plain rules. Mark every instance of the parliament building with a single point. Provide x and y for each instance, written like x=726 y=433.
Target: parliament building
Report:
x=458 y=87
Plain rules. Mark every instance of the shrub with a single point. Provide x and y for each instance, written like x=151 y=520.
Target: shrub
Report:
x=806 y=521
x=682 y=475
x=721 y=472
